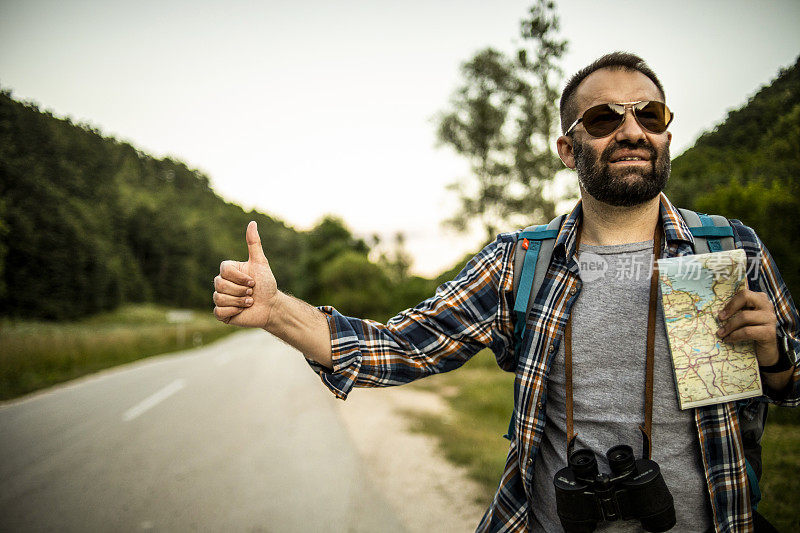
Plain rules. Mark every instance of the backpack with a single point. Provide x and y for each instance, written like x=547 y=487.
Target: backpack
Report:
x=712 y=233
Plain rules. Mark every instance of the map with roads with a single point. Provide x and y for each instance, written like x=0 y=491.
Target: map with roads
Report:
x=694 y=290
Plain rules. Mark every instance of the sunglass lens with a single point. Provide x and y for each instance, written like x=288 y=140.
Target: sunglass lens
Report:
x=655 y=117
x=601 y=120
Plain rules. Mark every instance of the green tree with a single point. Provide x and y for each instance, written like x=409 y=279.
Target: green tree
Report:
x=397 y=261
x=326 y=241
x=3 y=247
x=771 y=209
x=504 y=119
x=406 y=290
x=355 y=286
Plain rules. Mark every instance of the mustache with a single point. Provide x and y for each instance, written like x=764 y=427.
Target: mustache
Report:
x=642 y=144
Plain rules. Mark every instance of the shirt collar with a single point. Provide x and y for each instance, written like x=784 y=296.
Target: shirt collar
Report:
x=568 y=234
x=675 y=229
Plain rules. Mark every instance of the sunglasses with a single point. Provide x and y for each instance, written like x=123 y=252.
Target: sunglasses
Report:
x=604 y=119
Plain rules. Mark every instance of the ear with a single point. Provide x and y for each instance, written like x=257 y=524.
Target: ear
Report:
x=669 y=138
x=565 y=151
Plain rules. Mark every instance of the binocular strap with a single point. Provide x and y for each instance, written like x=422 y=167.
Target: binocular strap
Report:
x=646 y=428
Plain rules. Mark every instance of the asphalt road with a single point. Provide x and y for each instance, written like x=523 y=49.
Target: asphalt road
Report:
x=236 y=436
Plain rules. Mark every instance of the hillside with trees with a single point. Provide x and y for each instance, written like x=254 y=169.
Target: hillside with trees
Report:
x=88 y=223
x=748 y=168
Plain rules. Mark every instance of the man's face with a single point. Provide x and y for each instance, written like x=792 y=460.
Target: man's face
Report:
x=631 y=165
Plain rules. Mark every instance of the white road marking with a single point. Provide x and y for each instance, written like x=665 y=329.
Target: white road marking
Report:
x=153 y=400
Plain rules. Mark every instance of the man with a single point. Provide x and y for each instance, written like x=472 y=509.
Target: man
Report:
x=621 y=154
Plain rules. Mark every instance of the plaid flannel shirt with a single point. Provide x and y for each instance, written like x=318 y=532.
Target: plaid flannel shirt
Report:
x=475 y=311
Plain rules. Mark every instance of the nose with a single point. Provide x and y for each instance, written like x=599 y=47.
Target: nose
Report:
x=630 y=130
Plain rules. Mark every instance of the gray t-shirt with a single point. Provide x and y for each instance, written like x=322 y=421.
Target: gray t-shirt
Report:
x=609 y=337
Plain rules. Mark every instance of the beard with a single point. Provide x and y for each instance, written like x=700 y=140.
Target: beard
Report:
x=623 y=187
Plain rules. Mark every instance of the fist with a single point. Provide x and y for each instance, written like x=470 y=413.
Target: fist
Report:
x=245 y=293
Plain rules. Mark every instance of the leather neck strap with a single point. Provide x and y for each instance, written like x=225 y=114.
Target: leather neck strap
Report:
x=651 y=335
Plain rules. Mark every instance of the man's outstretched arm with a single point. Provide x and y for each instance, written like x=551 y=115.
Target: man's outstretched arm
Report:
x=246 y=294
x=438 y=335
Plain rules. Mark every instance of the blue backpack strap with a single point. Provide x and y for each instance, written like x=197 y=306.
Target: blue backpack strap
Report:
x=712 y=233
x=531 y=260
x=533 y=243
x=529 y=241
x=545 y=254
x=755 y=490
x=752 y=419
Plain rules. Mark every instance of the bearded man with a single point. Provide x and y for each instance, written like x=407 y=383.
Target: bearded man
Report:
x=587 y=336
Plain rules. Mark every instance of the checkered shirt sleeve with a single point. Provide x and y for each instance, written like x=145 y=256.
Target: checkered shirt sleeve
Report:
x=469 y=313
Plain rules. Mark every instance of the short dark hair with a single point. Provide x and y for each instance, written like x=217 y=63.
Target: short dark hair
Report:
x=614 y=60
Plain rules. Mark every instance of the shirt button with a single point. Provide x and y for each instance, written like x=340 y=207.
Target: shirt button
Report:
x=551 y=348
x=573 y=290
x=539 y=404
x=529 y=462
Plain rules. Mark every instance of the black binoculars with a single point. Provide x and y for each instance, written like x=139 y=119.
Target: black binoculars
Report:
x=634 y=490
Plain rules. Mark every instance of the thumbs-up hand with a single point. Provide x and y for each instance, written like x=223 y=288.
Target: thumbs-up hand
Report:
x=245 y=293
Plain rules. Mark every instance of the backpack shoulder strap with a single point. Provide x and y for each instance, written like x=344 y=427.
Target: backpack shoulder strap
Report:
x=531 y=260
x=712 y=233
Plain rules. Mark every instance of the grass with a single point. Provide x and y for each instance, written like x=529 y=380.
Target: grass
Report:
x=35 y=355
x=780 y=482
x=480 y=397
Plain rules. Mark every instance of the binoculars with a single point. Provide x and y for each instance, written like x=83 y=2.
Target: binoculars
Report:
x=635 y=489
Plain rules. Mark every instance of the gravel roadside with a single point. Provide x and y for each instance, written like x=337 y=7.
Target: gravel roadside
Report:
x=427 y=492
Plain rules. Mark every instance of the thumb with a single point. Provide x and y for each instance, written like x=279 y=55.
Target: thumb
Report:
x=254 y=249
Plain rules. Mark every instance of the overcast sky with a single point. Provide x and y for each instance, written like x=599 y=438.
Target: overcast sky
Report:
x=302 y=108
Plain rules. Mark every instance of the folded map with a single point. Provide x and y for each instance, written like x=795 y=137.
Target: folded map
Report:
x=694 y=290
